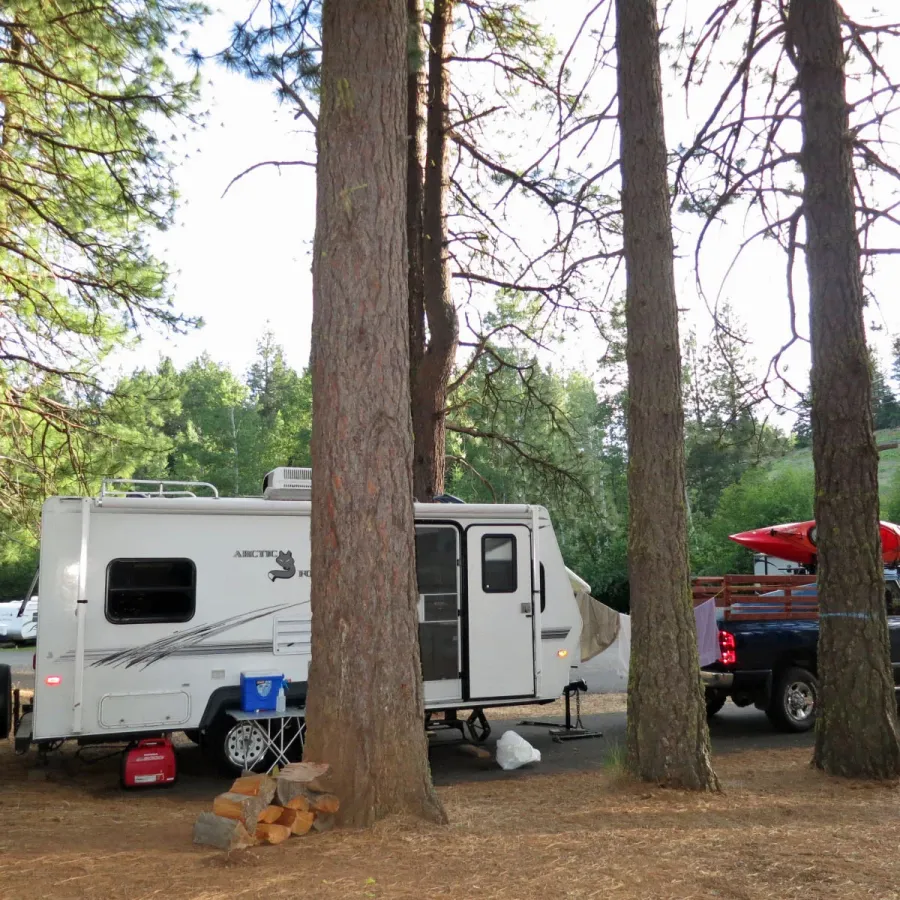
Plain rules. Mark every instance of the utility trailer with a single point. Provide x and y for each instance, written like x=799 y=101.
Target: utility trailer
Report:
x=154 y=602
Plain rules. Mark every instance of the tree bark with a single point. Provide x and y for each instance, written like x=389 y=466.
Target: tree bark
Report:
x=365 y=707
x=667 y=735
x=857 y=733
x=431 y=374
x=415 y=187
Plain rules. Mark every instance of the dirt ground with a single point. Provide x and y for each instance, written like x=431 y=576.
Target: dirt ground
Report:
x=778 y=831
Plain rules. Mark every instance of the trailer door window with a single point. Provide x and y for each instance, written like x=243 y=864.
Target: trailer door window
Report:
x=498 y=564
x=150 y=590
x=437 y=575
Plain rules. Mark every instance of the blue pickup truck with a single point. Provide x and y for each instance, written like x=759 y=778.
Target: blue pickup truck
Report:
x=773 y=663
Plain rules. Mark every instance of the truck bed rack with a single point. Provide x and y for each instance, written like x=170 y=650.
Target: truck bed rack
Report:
x=767 y=597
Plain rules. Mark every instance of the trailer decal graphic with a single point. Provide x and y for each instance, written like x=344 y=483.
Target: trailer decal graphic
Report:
x=182 y=642
x=287 y=570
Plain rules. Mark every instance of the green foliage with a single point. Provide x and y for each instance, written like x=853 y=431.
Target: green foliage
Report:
x=891 y=506
x=885 y=407
x=229 y=431
x=802 y=430
x=761 y=497
x=723 y=437
x=84 y=178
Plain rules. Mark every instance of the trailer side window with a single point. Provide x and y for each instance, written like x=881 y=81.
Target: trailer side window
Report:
x=498 y=564
x=150 y=590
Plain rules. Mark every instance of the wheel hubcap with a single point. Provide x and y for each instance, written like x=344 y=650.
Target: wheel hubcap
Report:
x=244 y=745
x=800 y=701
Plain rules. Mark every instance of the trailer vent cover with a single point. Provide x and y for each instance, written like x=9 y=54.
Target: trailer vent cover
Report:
x=288 y=483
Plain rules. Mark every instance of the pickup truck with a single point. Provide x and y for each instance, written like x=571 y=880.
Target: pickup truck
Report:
x=770 y=658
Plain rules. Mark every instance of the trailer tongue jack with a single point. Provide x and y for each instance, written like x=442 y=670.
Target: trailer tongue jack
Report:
x=568 y=731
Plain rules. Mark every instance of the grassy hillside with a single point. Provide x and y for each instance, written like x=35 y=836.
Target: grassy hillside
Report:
x=888 y=470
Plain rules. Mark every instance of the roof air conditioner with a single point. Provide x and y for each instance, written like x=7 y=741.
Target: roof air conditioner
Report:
x=288 y=483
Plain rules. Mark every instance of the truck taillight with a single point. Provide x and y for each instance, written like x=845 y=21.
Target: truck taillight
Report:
x=727 y=648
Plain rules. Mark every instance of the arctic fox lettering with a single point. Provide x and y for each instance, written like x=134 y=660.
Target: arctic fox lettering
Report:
x=287 y=570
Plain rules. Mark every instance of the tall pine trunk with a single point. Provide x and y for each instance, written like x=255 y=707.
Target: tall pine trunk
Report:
x=365 y=708
x=667 y=735
x=431 y=373
x=415 y=201
x=857 y=730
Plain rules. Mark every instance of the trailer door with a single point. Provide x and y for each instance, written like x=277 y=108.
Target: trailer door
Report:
x=500 y=621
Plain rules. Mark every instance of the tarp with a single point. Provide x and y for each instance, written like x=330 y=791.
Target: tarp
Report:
x=599 y=625
x=707 y=632
x=607 y=673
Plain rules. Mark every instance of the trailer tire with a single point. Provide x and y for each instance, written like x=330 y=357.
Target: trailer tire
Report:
x=223 y=743
x=6 y=702
x=795 y=700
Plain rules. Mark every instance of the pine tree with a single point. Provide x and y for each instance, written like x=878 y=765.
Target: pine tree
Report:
x=365 y=706
x=668 y=738
x=857 y=732
x=84 y=178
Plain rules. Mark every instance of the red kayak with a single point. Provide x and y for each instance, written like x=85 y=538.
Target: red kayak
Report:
x=796 y=542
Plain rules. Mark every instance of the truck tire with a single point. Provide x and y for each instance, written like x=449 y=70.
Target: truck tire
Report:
x=6 y=702
x=795 y=700
x=715 y=700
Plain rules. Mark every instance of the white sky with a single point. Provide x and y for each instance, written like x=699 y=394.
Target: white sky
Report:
x=243 y=260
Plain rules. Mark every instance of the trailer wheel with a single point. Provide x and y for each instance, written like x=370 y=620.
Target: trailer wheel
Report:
x=478 y=726
x=6 y=702
x=795 y=701
x=234 y=746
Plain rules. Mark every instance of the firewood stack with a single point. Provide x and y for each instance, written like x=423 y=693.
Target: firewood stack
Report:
x=262 y=809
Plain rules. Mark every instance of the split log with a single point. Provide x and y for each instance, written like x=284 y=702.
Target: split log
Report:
x=303 y=772
x=225 y=834
x=297 y=796
x=323 y=822
x=300 y=802
x=255 y=786
x=477 y=752
x=270 y=814
x=298 y=820
x=240 y=806
x=309 y=774
x=324 y=803
x=272 y=834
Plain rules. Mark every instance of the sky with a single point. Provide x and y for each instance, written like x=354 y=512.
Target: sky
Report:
x=243 y=265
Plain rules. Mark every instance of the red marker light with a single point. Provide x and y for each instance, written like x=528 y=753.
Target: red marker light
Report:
x=53 y=680
x=727 y=649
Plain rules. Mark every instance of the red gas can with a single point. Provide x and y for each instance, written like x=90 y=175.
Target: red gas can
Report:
x=150 y=763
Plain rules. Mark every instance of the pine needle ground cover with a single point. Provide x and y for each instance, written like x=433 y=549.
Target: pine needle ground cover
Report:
x=779 y=830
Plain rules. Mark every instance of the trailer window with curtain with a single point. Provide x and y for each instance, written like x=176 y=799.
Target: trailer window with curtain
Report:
x=140 y=591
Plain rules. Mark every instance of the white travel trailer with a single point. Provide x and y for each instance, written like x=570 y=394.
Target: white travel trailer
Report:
x=153 y=604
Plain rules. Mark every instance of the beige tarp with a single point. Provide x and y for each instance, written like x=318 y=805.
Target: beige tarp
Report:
x=600 y=625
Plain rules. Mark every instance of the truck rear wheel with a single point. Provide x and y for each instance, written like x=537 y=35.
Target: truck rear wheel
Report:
x=6 y=703
x=715 y=700
x=795 y=700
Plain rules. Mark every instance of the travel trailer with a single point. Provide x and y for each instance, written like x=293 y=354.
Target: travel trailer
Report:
x=155 y=601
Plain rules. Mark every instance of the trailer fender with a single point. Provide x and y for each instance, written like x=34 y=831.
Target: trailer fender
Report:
x=225 y=698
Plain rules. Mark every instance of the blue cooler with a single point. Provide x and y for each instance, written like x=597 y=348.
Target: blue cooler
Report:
x=259 y=690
